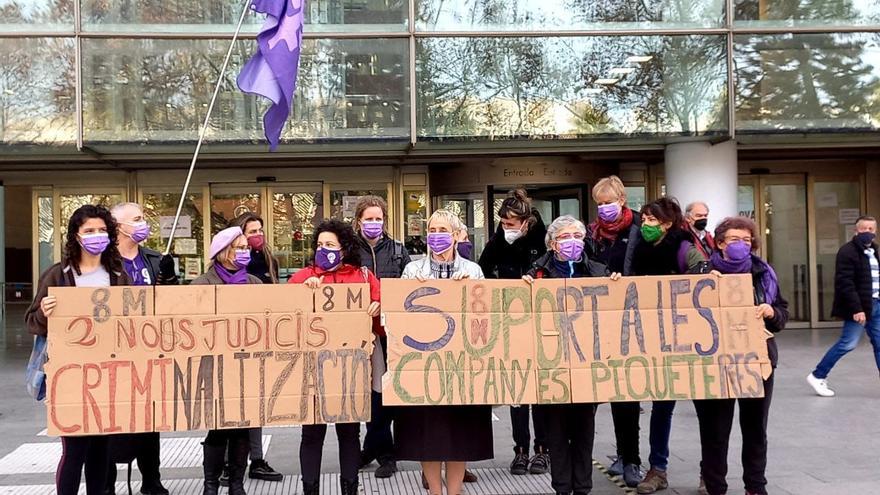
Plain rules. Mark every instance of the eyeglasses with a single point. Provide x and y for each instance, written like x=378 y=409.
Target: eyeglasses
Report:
x=565 y=237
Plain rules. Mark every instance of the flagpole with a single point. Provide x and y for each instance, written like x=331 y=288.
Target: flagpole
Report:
x=204 y=127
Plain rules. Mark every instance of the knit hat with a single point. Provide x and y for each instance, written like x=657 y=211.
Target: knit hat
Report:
x=223 y=239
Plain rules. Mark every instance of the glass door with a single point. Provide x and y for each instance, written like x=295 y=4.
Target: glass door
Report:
x=295 y=210
x=471 y=209
x=228 y=201
x=188 y=248
x=66 y=201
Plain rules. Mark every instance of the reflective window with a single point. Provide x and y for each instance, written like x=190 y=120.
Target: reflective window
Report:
x=782 y=13
x=228 y=202
x=518 y=15
x=70 y=203
x=344 y=201
x=807 y=82
x=46 y=231
x=158 y=90
x=31 y=15
x=189 y=241
x=571 y=87
x=295 y=214
x=37 y=91
x=222 y=15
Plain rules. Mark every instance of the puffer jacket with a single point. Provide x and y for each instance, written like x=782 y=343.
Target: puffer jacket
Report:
x=503 y=260
x=423 y=267
x=387 y=259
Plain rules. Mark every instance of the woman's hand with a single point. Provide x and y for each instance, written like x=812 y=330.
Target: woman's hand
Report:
x=615 y=276
x=716 y=273
x=421 y=278
x=528 y=279
x=314 y=282
x=373 y=310
x=460 y=276
x=47 y=305
x=764 y=311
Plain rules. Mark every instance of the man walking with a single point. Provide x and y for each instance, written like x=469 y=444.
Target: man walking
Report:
x=144 y=267
x=856 y=300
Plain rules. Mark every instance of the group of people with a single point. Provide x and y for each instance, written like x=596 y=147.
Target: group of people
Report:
x=103 y=248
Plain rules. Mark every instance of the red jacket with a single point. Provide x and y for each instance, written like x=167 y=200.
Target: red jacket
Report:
x=345 y=274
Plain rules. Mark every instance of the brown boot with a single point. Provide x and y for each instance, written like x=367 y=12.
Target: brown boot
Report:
x=654 y=481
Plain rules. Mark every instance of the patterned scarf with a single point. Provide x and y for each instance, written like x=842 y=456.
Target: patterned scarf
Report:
x=610 y=230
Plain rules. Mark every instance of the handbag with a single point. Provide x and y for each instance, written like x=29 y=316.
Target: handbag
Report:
x=35 y=375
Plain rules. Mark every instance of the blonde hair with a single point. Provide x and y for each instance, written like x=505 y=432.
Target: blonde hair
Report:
x=611 y=184
x=450 y=217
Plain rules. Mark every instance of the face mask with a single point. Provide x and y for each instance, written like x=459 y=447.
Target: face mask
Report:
x=242 y=258
x=701 y=224
x=465 y=249
x=737 y=251
x=511 y=235
x=651 y=233
x=95 y=244
x=571 y=249
x=609 y=212
x=328 y=259
x=865 y=238
x=439 y=242
x=256 y=242
x=372 y=229
x=140 y=231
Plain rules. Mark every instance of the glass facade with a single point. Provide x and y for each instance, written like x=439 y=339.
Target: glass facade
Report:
x=380 y=72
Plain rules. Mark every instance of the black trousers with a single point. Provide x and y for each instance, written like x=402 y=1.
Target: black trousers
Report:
x=519 y=420
x=88 y=451
x=312 y=448
x=626 y=431
x=378 y=442
x=716 y=421
x=221 y=438
x=570 y=430
x=147 y=448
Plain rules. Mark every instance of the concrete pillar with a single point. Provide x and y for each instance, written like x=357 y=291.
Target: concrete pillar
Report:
x=701 y=171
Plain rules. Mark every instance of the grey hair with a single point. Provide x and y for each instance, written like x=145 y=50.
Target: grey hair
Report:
x=561 y=223
x=118 y=207
x=450 y=217
x=690 y=207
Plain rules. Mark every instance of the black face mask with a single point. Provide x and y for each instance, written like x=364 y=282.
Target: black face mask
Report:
x=865 y=238
x=701 y=224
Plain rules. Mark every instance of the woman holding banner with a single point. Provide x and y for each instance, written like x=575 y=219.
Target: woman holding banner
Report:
x=517 y=244
x=434 y=435
x=613 y=237
x=337 y=261
x=737 y=241
x=91 y=259
x=664 y=248
x=229 y=257
x=570 y=427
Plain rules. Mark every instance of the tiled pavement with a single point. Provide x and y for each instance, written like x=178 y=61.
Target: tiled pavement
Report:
x=817 y=446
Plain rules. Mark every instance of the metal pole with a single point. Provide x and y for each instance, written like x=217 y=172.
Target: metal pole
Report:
x=204 y=127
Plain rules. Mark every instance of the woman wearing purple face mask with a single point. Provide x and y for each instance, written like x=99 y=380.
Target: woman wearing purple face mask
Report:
x=570 y=427
x=438 y=435
x=229 y=257
x=737 y=240
x=90 y=259
x=387 y=258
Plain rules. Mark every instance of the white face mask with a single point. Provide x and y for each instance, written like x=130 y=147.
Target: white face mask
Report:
x=511 y=235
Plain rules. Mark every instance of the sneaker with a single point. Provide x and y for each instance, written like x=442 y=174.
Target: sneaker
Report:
x=520 y=464
x=701 y=490
x=632 y=475
x=616 y=467
x=224 y=476
x=386 y=469
x=820 y=385
x=539 y=463
x=654 y=481
x=261 y=470
x=470 y=477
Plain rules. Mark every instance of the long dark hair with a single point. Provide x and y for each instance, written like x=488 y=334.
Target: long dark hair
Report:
x=242 y=221
x=110 y=258
x=347 y=240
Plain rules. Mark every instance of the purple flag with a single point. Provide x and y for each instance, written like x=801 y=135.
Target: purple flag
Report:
x=271 y=72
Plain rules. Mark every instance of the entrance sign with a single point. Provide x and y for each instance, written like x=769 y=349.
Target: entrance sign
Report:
x=573 y=340
x=197 y=357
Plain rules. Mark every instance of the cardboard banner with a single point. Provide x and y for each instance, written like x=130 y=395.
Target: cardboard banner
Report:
x=573 y=340
x=198 y=357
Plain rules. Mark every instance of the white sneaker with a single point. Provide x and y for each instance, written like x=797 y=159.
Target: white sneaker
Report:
x=820 y=385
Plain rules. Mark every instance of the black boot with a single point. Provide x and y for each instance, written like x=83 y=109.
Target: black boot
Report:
x=311 y=488
x=348 y=487
x=239 y=449
x=213 y=464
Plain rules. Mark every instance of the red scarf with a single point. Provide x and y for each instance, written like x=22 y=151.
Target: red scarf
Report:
x=610 y=230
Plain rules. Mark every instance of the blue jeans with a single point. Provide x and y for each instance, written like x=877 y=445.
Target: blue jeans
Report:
x=849 y=339
x=661 y=426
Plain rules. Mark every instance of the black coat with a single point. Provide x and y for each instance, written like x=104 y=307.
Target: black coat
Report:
x=387 y=259
x=618 y=254
x=153 y=258
x=852 y=281
x=512 y=261
x=780 y=309
x=548 y=267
